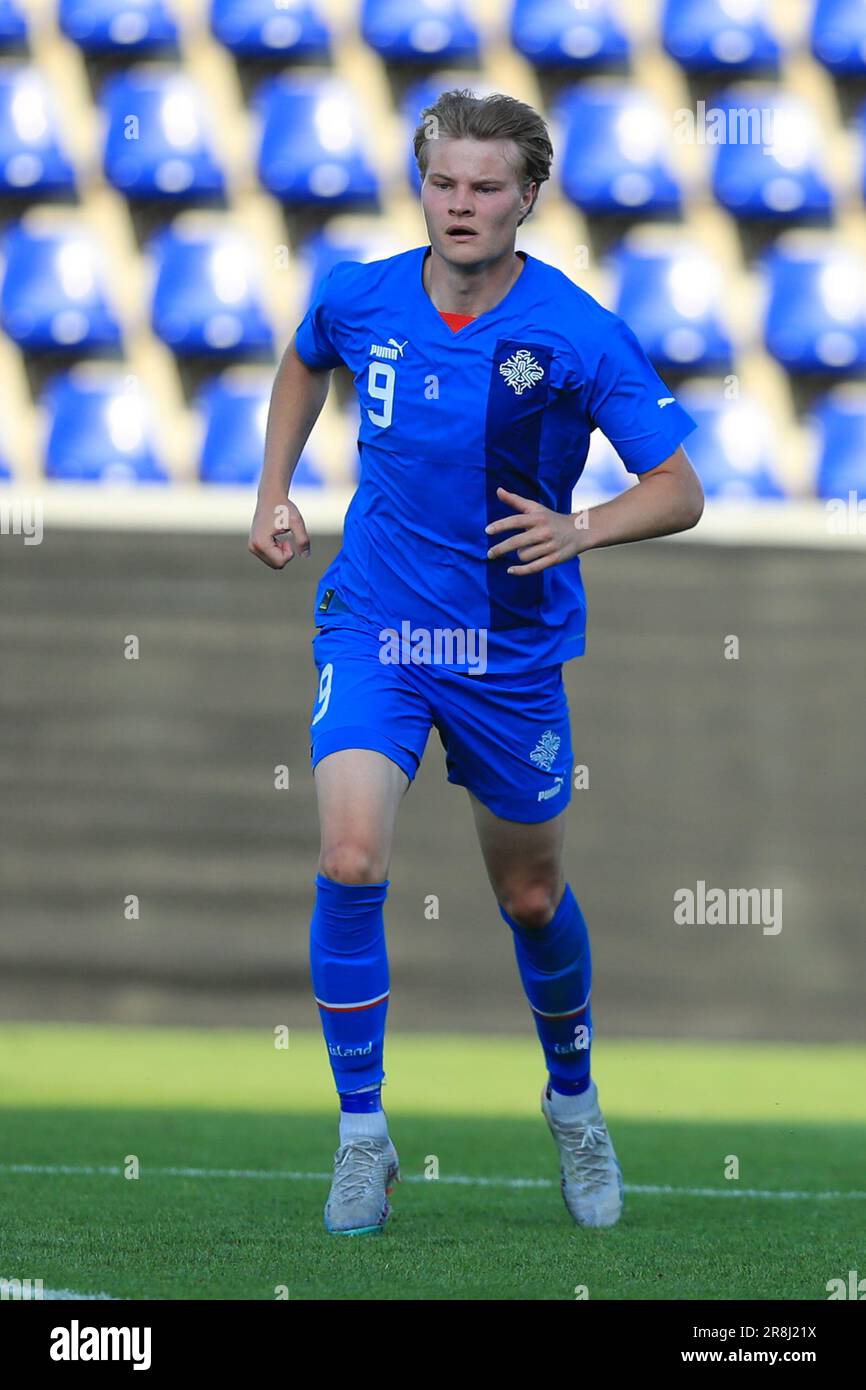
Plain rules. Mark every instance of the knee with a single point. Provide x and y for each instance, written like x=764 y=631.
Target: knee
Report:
x=532 y=904
x=351 y=862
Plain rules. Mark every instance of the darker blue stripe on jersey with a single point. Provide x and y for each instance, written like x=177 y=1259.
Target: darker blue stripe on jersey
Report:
x=515 y=412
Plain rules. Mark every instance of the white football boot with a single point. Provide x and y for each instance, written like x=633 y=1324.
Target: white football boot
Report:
x=590 y=1176
x=365 y=1171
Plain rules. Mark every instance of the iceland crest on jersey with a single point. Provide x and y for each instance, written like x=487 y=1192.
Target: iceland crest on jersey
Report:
x=521 y=370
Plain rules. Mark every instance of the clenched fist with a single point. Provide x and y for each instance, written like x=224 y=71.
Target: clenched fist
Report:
x=273 y=518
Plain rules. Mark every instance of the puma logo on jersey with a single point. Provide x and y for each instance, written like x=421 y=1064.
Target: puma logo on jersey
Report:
x=551 y=791
x=663 y=401
x=521 y=370
x=393 y=351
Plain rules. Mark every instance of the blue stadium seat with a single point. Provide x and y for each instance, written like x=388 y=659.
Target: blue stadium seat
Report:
x=556 y=33
x=709 y=35
x=32 y=159
x=53 y=297
x=261 y=28
x=115 y=26
x=234 y=415
x=672 y=300
x=208 y=300
x=326 y=249
x=839 y=36
x=769 y=165
x=99 y=431
x=322 y=252
x=167 y=152
x=406 y=31
x=13 y=23
x=614 y=155
x=816 y=310
x=311 y=150
x=839 y=420
x=734 y=448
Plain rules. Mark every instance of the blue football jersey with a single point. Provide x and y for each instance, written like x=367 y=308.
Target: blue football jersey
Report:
x=508 y=401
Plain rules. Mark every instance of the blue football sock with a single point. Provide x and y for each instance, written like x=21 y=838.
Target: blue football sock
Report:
x=351 y=983
x=556 y=969
x=363 y=1102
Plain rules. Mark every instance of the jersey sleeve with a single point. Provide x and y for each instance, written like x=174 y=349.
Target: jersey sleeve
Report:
x=632 y=406
x=314 y=336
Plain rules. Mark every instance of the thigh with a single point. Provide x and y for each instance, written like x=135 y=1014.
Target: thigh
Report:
x=358 y=792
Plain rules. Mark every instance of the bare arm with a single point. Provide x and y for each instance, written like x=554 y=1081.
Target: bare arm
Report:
x=669 y=499
x=297 y=398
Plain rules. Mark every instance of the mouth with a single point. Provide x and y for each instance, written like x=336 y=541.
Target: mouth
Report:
x=458 y=233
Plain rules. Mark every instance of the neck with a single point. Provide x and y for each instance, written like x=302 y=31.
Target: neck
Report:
x=456 y=289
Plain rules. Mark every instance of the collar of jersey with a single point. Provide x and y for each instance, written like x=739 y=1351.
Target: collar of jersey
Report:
x=482 y=321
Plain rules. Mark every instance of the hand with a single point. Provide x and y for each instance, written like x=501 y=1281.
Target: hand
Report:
x=548 y=537
x=273 y=517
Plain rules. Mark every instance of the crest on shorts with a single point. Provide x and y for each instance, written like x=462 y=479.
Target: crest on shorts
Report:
x=546 y=750
x=521 y=370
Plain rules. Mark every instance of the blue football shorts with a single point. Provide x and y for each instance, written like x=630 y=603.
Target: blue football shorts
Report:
x=507 y=737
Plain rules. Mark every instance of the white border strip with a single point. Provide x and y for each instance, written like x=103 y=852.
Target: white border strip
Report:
x=87 y=1170
x=229 y=510
x=178 y=507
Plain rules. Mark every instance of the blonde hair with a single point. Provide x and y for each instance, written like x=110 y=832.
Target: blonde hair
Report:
x=460 y=115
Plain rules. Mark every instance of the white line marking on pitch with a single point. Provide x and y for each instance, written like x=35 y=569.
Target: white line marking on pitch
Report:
x=74 y=1297
x=267 y=1175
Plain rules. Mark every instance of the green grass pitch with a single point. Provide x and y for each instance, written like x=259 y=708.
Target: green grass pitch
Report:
x=235 y=1140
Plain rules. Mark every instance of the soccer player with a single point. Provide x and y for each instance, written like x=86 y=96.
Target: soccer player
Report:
x=457 y=596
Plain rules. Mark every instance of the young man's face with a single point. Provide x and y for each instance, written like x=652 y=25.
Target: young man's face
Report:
x=473 y=184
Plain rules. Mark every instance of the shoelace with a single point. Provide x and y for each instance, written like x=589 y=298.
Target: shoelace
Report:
x=357 y=1165
x=587 y=1154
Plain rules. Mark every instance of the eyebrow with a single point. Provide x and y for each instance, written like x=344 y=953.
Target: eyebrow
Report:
x=489 y=179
